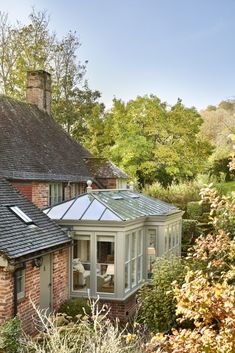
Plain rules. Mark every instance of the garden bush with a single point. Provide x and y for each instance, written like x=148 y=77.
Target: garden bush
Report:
x=11 y=336
x=74 y=307
x=178 y=194
x=157 y=308
x=194 y=210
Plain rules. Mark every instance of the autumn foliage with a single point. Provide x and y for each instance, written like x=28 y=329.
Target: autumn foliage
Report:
x=206 y=300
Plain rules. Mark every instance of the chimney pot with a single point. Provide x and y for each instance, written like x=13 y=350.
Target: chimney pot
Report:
x=39 y=89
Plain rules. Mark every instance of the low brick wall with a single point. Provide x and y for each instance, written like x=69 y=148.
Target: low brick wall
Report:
x=123 y=310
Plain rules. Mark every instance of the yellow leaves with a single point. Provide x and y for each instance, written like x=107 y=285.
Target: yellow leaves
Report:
x=130 y=338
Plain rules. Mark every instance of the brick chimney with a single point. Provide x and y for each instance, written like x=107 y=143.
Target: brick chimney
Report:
x=39 y=89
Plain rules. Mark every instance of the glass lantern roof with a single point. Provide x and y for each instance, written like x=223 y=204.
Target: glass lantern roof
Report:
x=110 y=205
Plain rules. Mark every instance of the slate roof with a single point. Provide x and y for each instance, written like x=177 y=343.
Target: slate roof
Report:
x=103 y=168
x=34 y=147
x=17 y=238
x=107 y=205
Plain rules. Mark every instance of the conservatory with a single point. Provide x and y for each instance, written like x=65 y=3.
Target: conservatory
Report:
x=117 y=234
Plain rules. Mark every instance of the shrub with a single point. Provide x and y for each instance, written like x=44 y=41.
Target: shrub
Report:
x=157 y=304
x=74 y=307
x=194 y=210
x=10 y=336
x=94 y=333
x=177 y=194
x=189 y=233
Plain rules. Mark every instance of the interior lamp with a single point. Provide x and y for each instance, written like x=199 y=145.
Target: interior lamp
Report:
x=151 y=251
x=110 y=270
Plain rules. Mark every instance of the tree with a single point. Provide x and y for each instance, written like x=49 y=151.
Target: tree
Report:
x=34 y=47
x=152 y=141
x=24 y=48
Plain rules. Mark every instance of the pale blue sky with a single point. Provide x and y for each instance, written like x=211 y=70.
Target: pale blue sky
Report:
x=171 y=48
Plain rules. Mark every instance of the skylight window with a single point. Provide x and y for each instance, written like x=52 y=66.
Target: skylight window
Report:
x=117 y=197
x=21 y=214
x=134 y=196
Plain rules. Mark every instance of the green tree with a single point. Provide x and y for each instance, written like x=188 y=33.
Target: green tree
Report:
x=35 y=47
x=153 y=141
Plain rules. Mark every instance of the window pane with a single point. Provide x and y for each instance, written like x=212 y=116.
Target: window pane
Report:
x=105 y=276
x=134 y=244
x=166 y=240
x=151 y=250
x=140 y=242
x=20 y=283
x=81 y=263
x=139 y=269
x=127 y=276
x=133 y=273
x=55 y=193
x=127 y=257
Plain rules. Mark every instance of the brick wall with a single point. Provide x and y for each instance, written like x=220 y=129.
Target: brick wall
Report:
x=6 y=295
x=108 y=183
x=24 y=187
x=124 y=310
x=36 y=192
x=40 y=194
x=60 y=277
x=32 y=294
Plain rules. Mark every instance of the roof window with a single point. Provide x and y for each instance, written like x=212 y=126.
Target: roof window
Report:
x=134 y=196
x=117 y=197
x=21 y=214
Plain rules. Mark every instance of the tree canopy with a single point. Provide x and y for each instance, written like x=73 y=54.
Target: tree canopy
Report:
x=35 y=47
x=151 y=140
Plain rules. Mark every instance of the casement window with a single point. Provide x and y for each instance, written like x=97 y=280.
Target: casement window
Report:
x=133 y=259
x=172 y=239
x=121 y=184
x=56 y=193
x=102 y=273
x=20 y=283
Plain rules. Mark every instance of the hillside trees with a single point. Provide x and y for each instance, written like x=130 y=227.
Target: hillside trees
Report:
x=153 y=141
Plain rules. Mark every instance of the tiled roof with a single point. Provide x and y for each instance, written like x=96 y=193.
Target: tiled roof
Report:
x=103 y=168
x=107 y=205
x=17 y=238
x=34 y=146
